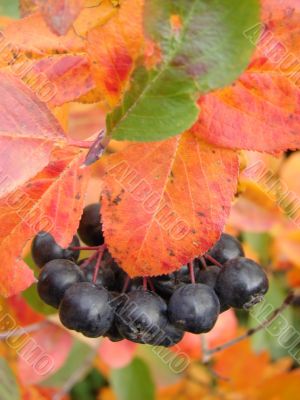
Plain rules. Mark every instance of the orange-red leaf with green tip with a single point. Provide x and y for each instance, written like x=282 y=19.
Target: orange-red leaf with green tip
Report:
x=52 y=201
x=164 y=203
x=260 y=111
x=60 y=14
x=114 y=47
x=28 y=131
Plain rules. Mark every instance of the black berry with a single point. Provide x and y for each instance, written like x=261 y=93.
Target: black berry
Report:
x=168 y=337
x=86 y=308
x=45 y=249
x=90 y=227
x=165 y=285
x=242 y=283
x=142 y=316
x=227 y=248
x=106 y=277
x=55 y=278
x=194 y=308
x=209 y=276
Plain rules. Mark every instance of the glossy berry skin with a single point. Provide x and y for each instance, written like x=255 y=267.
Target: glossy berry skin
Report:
x=194 y=308
x=165 y=285
x=86 y=308
x=227 y=248
x=44 y=249
x=106 y=277
x=242 y=283
x=55 y=278
x=90 y=227
x=209 y=276
x=141 y=316
x=168 y=337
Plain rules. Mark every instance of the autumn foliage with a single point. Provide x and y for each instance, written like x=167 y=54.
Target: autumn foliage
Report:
x=199 y=101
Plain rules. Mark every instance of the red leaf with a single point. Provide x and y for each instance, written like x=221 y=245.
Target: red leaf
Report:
x=44 y=354
x=114 y=47
x=27 y=133
x=165 y=203
x=52 y=201
x=261 y=111
x=59 y=79
x=60 y=14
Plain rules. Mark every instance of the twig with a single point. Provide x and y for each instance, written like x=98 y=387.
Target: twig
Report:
x=205 y=351
x=23 y=330
x=290 y=298
x=192 y=272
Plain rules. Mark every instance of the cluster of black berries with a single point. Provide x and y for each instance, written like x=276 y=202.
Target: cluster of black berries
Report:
x=95 y=296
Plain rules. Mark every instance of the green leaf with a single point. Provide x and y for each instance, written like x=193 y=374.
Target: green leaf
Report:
x=33 y=299
x=268 y=338
x=208 y=51
x=10 y=8
x=158 y=105
x=133 y=382
x=260 y=243
x=9 y=389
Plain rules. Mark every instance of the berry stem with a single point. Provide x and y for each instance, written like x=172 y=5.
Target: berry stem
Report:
x=88 y=260
x=98 y=263
x=213 y=260
x=289 y=300
x=192 y=272
x=203 y=263
x=151 y=285
x=145 y=283
x=126 y=284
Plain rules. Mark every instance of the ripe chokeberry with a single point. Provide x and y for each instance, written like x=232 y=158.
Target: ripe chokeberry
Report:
x=90 y=227
x=106 y=277
x=44 y=249
x=226 y=248
x=165 y=285
x=209 y=276
x=86 y=308
x=141 y=316
x=194 y=308
x=168 y=337
x=55 y=278
x=242 y=283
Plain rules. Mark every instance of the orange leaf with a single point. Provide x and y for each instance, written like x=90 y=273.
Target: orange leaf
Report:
x=261 y=111
x=114 y=47
x=60 y=14
x=28 y=131
x=51 y=201
x=166 y=202
x=32 y=36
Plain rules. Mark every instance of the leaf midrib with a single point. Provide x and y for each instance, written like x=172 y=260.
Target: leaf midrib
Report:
x=165 y=66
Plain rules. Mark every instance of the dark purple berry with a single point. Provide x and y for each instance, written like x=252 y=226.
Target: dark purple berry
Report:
x=242 y=283
x=227 y=248
x=86 y=308
x=90 y=227
x=194 y=308
x=55 y=278
x=44 y=249
x=141 y=316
